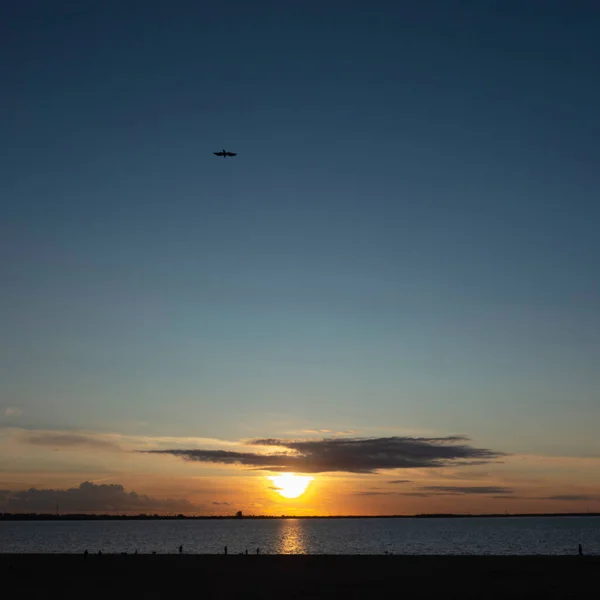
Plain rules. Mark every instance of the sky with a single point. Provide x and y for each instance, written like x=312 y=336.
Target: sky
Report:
x=392 y=288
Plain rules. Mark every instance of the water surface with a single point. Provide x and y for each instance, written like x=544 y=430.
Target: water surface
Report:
x=509 y=535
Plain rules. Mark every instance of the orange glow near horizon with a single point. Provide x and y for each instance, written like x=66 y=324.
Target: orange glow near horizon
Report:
x=530 y=483
x=290 y=485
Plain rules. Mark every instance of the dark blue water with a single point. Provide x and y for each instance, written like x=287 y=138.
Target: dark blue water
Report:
x=510 y=535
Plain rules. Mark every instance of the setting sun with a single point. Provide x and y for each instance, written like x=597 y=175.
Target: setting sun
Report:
x=290 y=485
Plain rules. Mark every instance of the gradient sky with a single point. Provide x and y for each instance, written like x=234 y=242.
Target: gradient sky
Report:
x=407 y=243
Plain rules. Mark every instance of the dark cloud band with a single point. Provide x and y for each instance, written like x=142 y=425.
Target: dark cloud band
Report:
x=349 y=455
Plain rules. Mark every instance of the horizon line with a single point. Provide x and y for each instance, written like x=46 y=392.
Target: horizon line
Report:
x=156 y=516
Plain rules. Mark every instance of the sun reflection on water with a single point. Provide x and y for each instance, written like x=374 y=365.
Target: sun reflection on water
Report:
x=290 y=537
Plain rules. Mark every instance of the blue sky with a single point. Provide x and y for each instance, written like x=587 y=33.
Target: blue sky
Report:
x=406 y=241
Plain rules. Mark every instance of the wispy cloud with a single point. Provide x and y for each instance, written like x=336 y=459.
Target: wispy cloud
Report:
x=67 y=440
x=459 y=474
x=375 y=493
x=316 y=431
x=440 y=490
x=399 y=481
x=511 y=497
x=221 y=503
x=350 y=455
x=458 y=489
x=330 y=432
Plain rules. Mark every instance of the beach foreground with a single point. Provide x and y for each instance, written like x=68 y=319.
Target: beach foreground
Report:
x=296 y=576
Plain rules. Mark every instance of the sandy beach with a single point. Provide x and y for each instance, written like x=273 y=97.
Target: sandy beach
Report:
x=295 y=577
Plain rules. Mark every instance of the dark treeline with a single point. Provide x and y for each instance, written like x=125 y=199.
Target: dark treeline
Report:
x=156 y=517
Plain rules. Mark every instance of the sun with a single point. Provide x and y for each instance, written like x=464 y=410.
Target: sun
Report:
x=290 y=485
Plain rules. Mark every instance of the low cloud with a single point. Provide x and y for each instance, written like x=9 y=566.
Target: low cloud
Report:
x=349 y=455
x=443 y=490
x=221 y=503
x=398 y=481
x=67 y=440
x=93 y=440
x=555 y=498
x=457 y=489
x=511 y=497
x=90 y=498
x=571 y=497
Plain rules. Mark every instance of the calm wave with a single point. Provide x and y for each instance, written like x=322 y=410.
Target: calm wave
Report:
x=540 y=535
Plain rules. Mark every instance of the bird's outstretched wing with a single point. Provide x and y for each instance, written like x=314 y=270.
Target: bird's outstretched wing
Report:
x=219 y=153
x=231 y=153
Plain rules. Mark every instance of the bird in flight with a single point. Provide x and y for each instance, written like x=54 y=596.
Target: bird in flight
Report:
x=224 y=154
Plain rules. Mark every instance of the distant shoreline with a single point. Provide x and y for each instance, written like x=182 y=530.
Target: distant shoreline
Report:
x=144 y=517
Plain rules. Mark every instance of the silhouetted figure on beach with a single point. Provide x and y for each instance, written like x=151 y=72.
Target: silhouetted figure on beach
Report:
x=85 y=554
x=100 y=552
x=136 y=551
x=580 y=550
x=181 y=549
x=246 y=551
x=258 y=551
x=225 y=550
